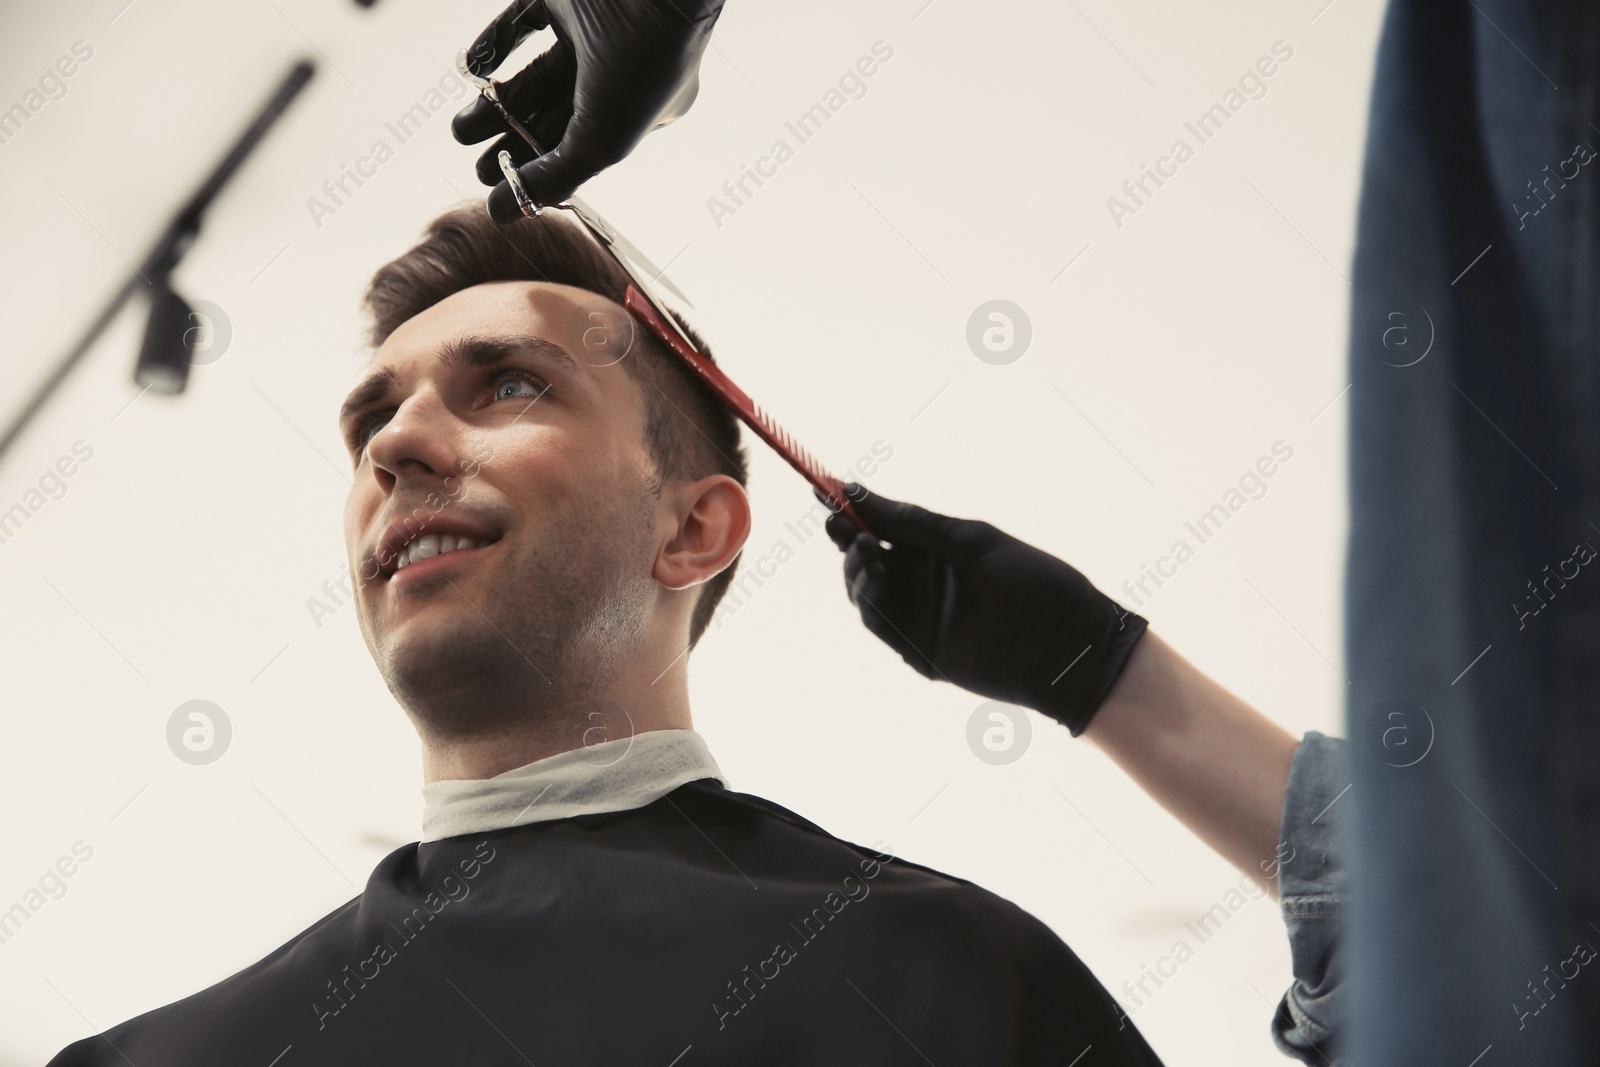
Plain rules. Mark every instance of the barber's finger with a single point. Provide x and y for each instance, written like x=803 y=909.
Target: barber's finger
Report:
x=550 y=79
x=856 y=584
x=478 y=121
x=547 y=128
x=500 y=38
x=870 y=548
x=864 y=551
x=854 y=564
x=488 y=166
x=868 y=564
x=866 y=590
x=916 y=660
x=867 y=584
x=896 y=521
x=547 y=83
x=841 y=531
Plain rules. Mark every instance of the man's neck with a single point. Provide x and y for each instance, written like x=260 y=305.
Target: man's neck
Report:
x=626 y=710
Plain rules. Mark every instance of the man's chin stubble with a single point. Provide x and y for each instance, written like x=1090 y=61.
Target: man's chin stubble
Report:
x=467 y=681
x=503 y=667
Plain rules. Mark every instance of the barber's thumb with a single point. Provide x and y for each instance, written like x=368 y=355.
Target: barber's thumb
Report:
x=896 y=521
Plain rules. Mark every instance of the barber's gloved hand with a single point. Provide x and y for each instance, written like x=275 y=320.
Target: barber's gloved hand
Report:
x=618 y=69
x=965 y=602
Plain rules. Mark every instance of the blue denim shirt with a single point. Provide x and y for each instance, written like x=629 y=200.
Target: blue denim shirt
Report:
x=1474 y=481
x=1312 y=882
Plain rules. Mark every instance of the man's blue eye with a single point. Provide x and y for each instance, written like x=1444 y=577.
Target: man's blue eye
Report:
x=527 y=389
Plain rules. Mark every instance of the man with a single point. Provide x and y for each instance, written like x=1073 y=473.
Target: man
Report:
x=545 y=511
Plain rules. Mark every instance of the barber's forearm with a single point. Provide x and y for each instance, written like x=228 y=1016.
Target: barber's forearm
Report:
x=1205 y=755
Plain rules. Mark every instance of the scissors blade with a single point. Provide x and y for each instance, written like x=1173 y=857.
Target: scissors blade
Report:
x=628 y=251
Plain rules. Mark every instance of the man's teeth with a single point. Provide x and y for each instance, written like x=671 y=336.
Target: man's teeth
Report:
x=433 y=545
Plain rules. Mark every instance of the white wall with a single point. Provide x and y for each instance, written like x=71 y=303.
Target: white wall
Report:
x=1177 y=348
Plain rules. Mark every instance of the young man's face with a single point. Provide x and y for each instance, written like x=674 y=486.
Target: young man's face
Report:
x=501 y=520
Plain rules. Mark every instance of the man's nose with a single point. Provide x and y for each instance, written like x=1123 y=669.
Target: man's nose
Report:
x=420 y=441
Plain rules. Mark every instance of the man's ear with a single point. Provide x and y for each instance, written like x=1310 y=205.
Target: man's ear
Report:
x=710 y=522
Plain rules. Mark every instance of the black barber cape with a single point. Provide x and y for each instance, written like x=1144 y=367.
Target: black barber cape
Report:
x=709 y=927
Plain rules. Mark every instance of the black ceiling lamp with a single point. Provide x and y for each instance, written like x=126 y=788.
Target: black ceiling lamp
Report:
x=170 y=337
x=168 y=349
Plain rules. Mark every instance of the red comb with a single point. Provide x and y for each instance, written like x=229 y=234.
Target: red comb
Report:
x=740 y=403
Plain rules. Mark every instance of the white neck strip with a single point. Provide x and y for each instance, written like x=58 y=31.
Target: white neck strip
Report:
x=611 y=776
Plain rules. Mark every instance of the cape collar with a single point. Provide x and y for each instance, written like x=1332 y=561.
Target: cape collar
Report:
x=618 y=775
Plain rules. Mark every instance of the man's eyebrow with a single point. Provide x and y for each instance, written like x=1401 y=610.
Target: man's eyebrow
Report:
x=372 y=388
x=484 y=351
x=459 y=354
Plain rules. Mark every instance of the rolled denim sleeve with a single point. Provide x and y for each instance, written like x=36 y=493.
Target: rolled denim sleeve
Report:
x=1312 y=882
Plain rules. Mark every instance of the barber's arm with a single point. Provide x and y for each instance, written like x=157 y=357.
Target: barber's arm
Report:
x=964 y=602
x=617 y=70
x=1206 y=756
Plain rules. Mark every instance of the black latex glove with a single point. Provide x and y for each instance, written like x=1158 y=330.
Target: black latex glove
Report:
x=965 y=602
x=618 y=69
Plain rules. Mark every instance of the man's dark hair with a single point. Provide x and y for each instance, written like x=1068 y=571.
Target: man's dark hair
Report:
x=689 y=433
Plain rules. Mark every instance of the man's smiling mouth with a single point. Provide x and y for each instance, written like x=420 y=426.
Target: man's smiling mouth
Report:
x=429 y=545
x=404 y=544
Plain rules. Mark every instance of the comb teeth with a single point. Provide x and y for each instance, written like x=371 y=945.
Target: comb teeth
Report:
x=798 y=455
x=787 y=441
